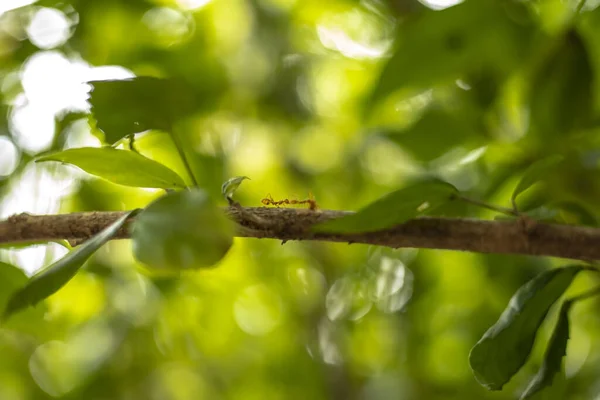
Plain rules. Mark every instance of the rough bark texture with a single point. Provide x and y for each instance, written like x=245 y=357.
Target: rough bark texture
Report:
x=508 y=237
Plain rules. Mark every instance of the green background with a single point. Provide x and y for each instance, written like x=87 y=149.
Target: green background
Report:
x=344 y=100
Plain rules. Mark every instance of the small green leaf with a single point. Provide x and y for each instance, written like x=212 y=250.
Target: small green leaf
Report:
x=52 y=278
x=505 y=347
x=393 y=209
x=535 y=173
x=124 y=107
x=123 y=167
x=231 y=185
x=556 y=350
x=182 y=230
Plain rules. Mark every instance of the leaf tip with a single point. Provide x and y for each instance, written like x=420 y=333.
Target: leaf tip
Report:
x=231 y=185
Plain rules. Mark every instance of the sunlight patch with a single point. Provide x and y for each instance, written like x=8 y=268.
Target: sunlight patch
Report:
x=257 y=310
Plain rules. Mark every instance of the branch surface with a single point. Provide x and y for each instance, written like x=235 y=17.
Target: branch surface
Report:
x=503 y=237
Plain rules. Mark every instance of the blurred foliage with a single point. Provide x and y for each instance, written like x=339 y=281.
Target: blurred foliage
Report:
x=49 y=280
x=346 y=100
x=526 y=310
x=393 y=209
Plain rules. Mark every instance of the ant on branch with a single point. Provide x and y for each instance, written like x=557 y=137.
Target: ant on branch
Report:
x=268 y=201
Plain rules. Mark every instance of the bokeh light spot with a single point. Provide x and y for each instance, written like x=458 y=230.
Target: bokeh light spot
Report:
x=177 y=382
x=32 y=127
x=307 y=287
x=192 y=4
x=168 y=25
x=355 y=34
x=257 y=310
x=386 y=162
x=7 y=5
x=330 y=351
x=60 y=367
x=440 y=4
x=9 y=156
x=48 y=28
x=54 y=82
x=24 y=195
x=316 y=159
x=392 y=286
x=52 y=85
x=348 y=298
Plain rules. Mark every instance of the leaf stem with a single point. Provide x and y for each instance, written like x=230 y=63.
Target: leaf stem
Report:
x=180 y=150
x=501 y=210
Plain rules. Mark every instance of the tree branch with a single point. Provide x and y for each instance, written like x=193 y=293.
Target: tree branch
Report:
x=507 y=237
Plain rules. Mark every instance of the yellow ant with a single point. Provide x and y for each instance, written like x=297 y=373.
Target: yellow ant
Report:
x=268 y=201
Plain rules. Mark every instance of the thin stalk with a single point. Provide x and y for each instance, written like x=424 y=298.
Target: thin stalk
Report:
x=501 y=210
x=180 y=150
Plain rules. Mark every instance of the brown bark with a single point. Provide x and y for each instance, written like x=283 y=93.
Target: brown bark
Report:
x=507 y=237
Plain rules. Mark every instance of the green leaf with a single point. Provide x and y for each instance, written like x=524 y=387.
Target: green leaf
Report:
x=182 y=230
x=441 y=46
x=561 y=96
x=52 y=278
x=124 y=107
x=535 y=173
x=505 y=347
x=393 y=209
x=556 y=350
x=119 y=166
x=231 y=185
x=11 y=280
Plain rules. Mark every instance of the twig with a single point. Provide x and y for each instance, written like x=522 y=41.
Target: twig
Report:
x=285 y=224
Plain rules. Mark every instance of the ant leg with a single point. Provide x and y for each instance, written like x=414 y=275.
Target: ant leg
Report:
x=312 y=202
